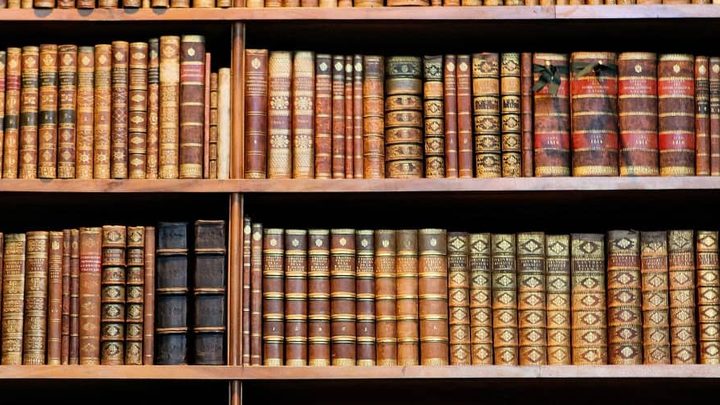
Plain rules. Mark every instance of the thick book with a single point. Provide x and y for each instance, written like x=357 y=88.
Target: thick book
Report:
x=279 y=153
x=526 y=114
x=655 y=304
x=192 y=106
x=323 y=116
x=557 y=261
x=137 y=110
x=171 y=289
x=29 y=97
x=74 y=349
x=90 y=260
x=119 y=109
x=434 y=116
x=318 y=297
x=714 y=94
x=681 y=275
x=481 y=334
x=102 y=137
x=55 y=298
x=403 y=117
x=153 y=109
x=510 y=119
x=169 y=108
x=67 y=110
x=112 y=318
x=708 y=296
x=504 y=299
x=246 y=288
x=589 y=320
x=676 y=114
x=256 y=113
x=373 y=117
x=11 y=139
x=47 y=112
x=13 y=296
x=273 y=311
x=303 y=98
x=450 y=106
x=702 y=116
x=357 y=117
x=337 y=112
x=458 y=293
x=65 y=300
x=296 y=296
x=343 y=297
x=385 y=297
x=437 y=342
x=551 y=115
x=531 y=295
x=256 y=294
x=84 y=149
x=134 y=295
x=624 y=298
x=148 y=344
x=365 y=302
x=463 y=77
x=406 y=297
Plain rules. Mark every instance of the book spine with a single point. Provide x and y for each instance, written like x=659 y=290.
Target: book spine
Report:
x=74 y=350
x=319 y=297
x=279 y=120
x=624 y=298
x=714 y=94
x=192 y=108
x=256 y=113
x=434 y=118
x=486 y=114
x=358 y=144
x=481 y=335
x=256 y=297
x=338 y=117
x=437 y=342
x=134 y=295
x=365 y=303
x=112 y=318
x=207 y=77
x=246 y=288
x=373 y=117
x=532 y=328
x=676 y=115
x=47 y=118
x=224 y=122
x=29 y=95
x=36 y=283
x=551 y=117
x=169 y=112
x=54 y=298
x=13 y=298
x=458 y=291
x=504 y=299
x=708 y=296
x=171 y=288
x=349 y=137
x=90 y=258
x=67 y=110
x=557 y=262
x=681 y=274
x=153 y=109
x=655 y=306
x=403 y=117
x=65 y=304
x=450 y=106
x=85 y=4
x=213 y=137
x=107 y=3
x=296 y=294
x=84 y=149
x=342 y=297
x=385 y=297
x=273 y=312
x=510 y=124
x=12 y=113
x=324 y=101
x=526 y=114
x=103 y=111
x=303 y=93
x=137 y=110
x=407 y=290
x=464 y=111
x=702 y=116
x=148 y=344
x=159 y=3
x=119 y=110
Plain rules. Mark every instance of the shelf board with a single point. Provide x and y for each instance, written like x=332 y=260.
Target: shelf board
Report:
x=116 y=186
x=119 y=372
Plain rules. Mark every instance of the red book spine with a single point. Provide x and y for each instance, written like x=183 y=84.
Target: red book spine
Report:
x=374 y=117
x=676 y=112
x=358 y=151
x=551 y=116
x=464 y=116
x=450 y=104
x=338 y=117
x=526 y=113
x=323 y=116
x=702 y=116
x=349 y=140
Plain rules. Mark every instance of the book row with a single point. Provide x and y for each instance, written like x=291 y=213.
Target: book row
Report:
x=89 y=4
x=114 y=295
x=481 y=115
x=347 y=297
x=122 y=110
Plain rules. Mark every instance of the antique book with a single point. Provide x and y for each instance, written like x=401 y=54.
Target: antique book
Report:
x=11 y=139
x=318 y=297
x=90 y=262
x=532 y=333
x=47 y=112
x=702 y=116
x=349 y=137
x=681 y=275
x=510 y=124
x=655 y=305
x=481 y=335
x=224 y=123
x=207 y=105
x=458 y=296
x=708 y=296
x=273 y=311
x=403 y=117
x=279 y=115
x=148 y=343
x=119 y=110
x=358 y=126
x=526 y=114
x=551 y=115
x=84 y=150
x=13 y=297
x=324 y=102
x=246 y=269
x=450 y=106
x=296 y=296
x=594 y=114
x=557 y=262
x=385 y=297
x=213 y=136
x=171 y=288
x=137 y=110
x=624 y=298
x=209 y=281
x=65 y=298
x=54 y=297
x=158 y=3
x=464 y=116
x=112 y=318
x=504 y=299
x=373 y=117
x=303 y=93
x=86 y=4
x=102 y=137
x=67 y=110
x=589 y=320
x=192 y=109
x=134 y=295
x=406 y=297
x=169 y=107
x=434 y=117
x=256 y=103
x=74 y=349
x=365 y=297
x=404 y=3
x=29 y=95
x=342 y=297
x=107 y=3
x=153 y=109
x=714 y=94
x=256 y=292
x=676 y=114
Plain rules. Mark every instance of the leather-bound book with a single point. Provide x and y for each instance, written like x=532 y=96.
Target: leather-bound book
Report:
x=134 y=295
x=708 y=296
x=481 y=335
x=342 y=297
x=594 y=114
x=403 y=3
x=74 y=350
x=450 y=106
x=47 y=118
x=406 y=297
x=246 y=288
x=84 y=150
x=296 y=295
x=171 y=288
x=385 y=297
x=655 y=305
x=324 y=158
x=159 y=3
x=358 y=141
x=714 y=94
x=13 y=297
x=256 y=295
x=112 y=319
x=102 y=137
x=458 y=292
x=169 y=112
x=433 y=293
x=148 y=344
x=3 y=64
x=464 y=116
x=434 y=117
x=551 y=117
x=11 y=126
x=273 y=293
x=29 y=97
x=279 y=115
x=119 y=110
x=303 y=93
x=349 y=136
x=137 y=110
x=85 y=4
x=702 y=116
x=403 y=117
x=192 y=110
x=557 y=262
x=504 y=299
x=624 y=298
x=107 y=3
x=65 y=299
x=36 y=283
x=532 y=333
x=66 y=4
x=318 y=297
x=365 y=303
x=67 y=110
x=90 y=256
x=54 y=298
x=676 y=114
x=589 y=321
x=681 y=266
x=212 y=142
x=373 y=117
x=256 y=113
x=510 y=125
x=526 y=114
x=209 y=281
x=224 y=123
x=153 y=109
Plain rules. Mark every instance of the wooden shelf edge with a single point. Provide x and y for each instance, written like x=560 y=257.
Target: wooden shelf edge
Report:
x=117 y=186
x=120 y=372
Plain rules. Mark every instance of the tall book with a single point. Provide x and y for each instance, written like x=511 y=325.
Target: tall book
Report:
x=676 y=114
x=137 y=110
x=403 y=117
x=246 y=288
x=373 y=117
x=119 y=110
x=256 y=113
x=702 y=116
x=65 y=288
x=67 y=110
x=624 y=298
x=273 y=311
x=458 y=292
x=406 y=297
x=385 y=297
x=349 y=135
x=11 y=139
x=526 y=114
x=256 y=298
x=463 y=77
x=171 y=288
x=681 y=272
x=531 y=295
x=714 y=94
x=296 y=295
x=303 y=133
x=504 y=299
x=510 y=120
x=318 y=297
x=358 y=128
x=148 y=344
x=103 y=111
x=89 y=281
x=153 y=109
x=324 y=99
x=54 y=298
x=29 y=97
x=557 y=261
x=708 y=296
x=47 y=117
x=338 y=116
x=36 y=283
x=342 y=297
x=481 y=334
x=434 y=116
x=655 y=305
x=169 y=111
x=192 y=106
x=134 y=295
x=433 y=294
x=551 y=116
x=74 y=341
x=84 y=150
x=450 y=106
x=213 y=136
x=224 y=123
x=13 y=297
x=365 y=303
x=589 y=321
x=112 y=318
x=279 y=115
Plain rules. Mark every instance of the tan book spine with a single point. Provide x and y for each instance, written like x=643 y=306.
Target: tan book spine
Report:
x=67 y=110
x=464 y=111
x=279 y=116
x=624 y=298
x=28 y=146
x=36 y=283
x=373 y=117
x=708 y=296
x=343 y=297
x=458 y=263
x=365 y=290
x=403 y=117
x=134 y=295
x=65 y=287
x=192 y=108
x=84 y=156
x=532 y=328
x=481 y=334
x=434 y=116
x=655 y=306
x=90 y=254
x=246 y=289
x=112 y=318
x=47 y=117
x=319 y=297
x=138 y=110
x=510 y=125
x=153 y=109
x=385 y=297
x=406 y=267
x=55 y=298
x=12 y=113
x=557 y=262
x=169 y=90
x=303 y=131
x=160 y=3
x=74 y=350
x=103 y=111
x=681 y=255
x=436 y=341
x=589 y=321
x=504 y=297
x=349 y=139
x=149 y=298
x=224 y=122
x=119 y=110
x=702 y=116
x=486 y=115
x=13 y=298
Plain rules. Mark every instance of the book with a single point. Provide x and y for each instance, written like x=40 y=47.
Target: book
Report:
x=13 y=298
x=365 y=293
x=504 y=299
x=624 y=295
x=526 y=114
x=458 y=296
x=551 y=115
x=55 y=297
x=273 y=312
x=531 y=281
x=47 y=112
x=12 y=113
x=102 y=136
x=137 y=109
x=84 y=150
x=557 y=261
x=246 y=288
x=148 y=343
x=357 y=117
x=169 y=108
x=702 y=116
x=134 y=295
x=342 y=297
x=153 y=109
x=119 y=109
x=681 y=275
x=486 y=114
x=74 y=340
x=171 y=288
x=589 y=318
x=337 y=112
x=318 y=297
x=714 y=105
x=403 y=117
x=213 y=130
x=65 y=299
x=450 y=105
x=279 y=115
x=192 y=108
x=89 y=281
x=296 y=295
x=463 y=77
x=510 y=120
x=256 y=113
x=385 y=297
x=481 y=334
x=373 y=117
x=224 y=123
x=708 y=295
x=324 y=101
x=348 y=115
x=436 y=339
x=29 y=97
x=406 y=297
x=256 y=298
x=676 y=114
x=112 y=318
x=303 y=134
x=434 y=116
x=655 y=305
x=36 y=283
x=67 y=111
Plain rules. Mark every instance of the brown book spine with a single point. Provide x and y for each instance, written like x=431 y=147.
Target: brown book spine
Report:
x=481 y=335
x=137 y=110
x=29 y=79
x=324 y=124
x=273 y=312
x=54 y=298
x=437 y=342
x=407 y=290
x=303 y=93
x=526 y=114
x=655 y=306
x=403 y=117
x=36 y=283
x=532 y=328
x=342 y=297
x=247 y=268
x=450 y=106
x=676 y=112
x=119 y=110
x=510 y=97
x=67 y=110
x=319 y=297
x=708 y=296
x=13 y=297
x=74 y=350
x=213 y=136
x=159 y=3
x=702 y=116
x=504 y=298
x=557 y=261
x=65 y=299
x=349 y=137
x=207 y=104
x=551 y=121
x=169 y=113
x=12 y=114
x=589 y=322
x=458 y=263
x=148 y=344
x=464 y=116
x=358 y=150
x=714 y=103
x=365 y=304
x=66 y=4
x=43 y=3
x=134 y=295
x=112 y=317
x=107 y=3
x=256 y=295
x=84 y=150
x=153 y=109
x=47 y=119
x=132 y=3
x=296 y=294
x=373 y=117
x=103 y=111
x=486 y=114
x=85 y=4
x=681 y=266
x=279 y=123
x=434 y=117
x=192 y=110
x=90 y=242
x=624 y=298
x=385 y=297
x=256 y=113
